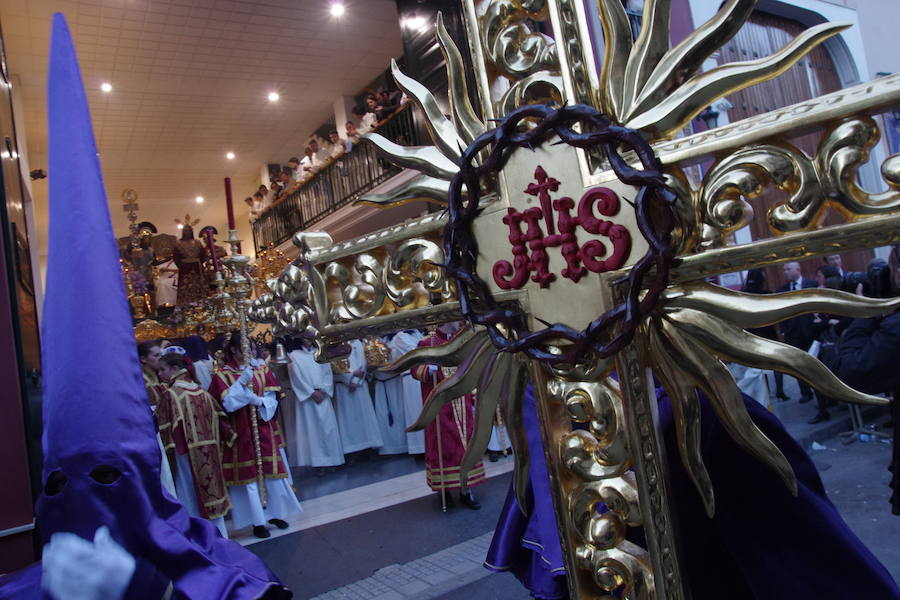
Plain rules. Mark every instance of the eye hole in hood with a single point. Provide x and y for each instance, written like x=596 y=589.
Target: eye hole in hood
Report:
x=106 y=474
x=55 y=483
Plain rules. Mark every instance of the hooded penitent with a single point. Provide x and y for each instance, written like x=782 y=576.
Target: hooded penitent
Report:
x=101 y=458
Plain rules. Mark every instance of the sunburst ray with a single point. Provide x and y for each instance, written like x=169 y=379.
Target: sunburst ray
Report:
x=686 y=58
x=493 y=382
x=469 y=125
x=421 y=187
x=686 y=102
x=729 y=342
x=709 y=374
x=617 y=47
x=450 y=354
x=463 y=381
x=749 y=311
x=425 y=159
x=649 y=48
x=441 y=129
x=686 y=413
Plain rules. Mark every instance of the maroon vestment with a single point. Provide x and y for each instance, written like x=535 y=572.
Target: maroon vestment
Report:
x=456 y=420
x=240 y=461
x=200 y=429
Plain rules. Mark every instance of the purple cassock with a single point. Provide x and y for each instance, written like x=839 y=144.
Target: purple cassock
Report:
x=101 y=456
x=762 y=544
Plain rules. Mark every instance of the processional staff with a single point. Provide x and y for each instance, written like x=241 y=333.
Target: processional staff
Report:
x=240 y=291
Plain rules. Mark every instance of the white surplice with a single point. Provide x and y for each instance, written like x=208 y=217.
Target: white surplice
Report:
x=246 y=505
x=390 y=412
x=355 y=415
x=316 y=441
x=408 y=388
x=203 y=369
x=499 y=441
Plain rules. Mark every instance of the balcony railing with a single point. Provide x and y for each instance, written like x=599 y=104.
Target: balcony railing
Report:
x=340 y=182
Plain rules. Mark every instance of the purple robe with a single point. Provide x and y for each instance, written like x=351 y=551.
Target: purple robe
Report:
x=763 y=543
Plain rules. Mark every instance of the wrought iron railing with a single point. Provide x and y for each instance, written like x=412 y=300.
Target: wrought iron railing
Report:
x=340 y=182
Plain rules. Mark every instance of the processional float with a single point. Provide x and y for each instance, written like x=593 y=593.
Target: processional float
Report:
x=577 y=242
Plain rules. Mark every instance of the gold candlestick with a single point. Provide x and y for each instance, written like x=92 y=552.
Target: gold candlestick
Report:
x=240 y=287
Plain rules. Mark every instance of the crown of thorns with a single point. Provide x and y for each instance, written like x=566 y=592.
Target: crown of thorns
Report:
x=655 y=213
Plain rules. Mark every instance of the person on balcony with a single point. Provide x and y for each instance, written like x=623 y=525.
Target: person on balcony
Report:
x=254 y=203
x=318 y=155
x=370 y=118
x=337 y=144
x=297 y=168
x=274 y=190
x=388 y=103
x=288 y=185
x=352 y=136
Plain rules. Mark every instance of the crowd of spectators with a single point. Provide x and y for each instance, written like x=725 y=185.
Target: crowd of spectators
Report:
x=319 y=153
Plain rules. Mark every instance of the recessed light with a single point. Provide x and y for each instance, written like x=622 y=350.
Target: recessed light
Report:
x=273 y=96
x=230 y=156
x=199 y=199
x=106 y=87
x=337 y=9
x=180 y=226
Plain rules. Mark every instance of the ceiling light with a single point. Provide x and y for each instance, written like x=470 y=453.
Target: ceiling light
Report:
x=199 y=199
x=106 y=87
x=273 y=96
x=230 y=156
x=337 y=9
x=180 y=226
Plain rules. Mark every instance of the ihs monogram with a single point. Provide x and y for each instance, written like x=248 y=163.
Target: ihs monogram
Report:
x=579 y=259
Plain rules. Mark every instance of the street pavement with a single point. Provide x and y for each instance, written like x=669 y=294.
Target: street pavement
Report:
x=412 y=550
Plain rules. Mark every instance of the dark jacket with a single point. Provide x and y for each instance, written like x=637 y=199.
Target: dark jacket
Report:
x=867 y=358
x=799 y=331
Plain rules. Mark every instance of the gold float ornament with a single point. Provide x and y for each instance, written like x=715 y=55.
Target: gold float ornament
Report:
x=574 y=240
x=340 y=366
x=376 y=352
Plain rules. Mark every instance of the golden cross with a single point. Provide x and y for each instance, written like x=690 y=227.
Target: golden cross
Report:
x=559 y=239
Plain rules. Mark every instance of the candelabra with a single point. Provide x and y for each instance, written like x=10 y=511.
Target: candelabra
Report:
x=240 y=287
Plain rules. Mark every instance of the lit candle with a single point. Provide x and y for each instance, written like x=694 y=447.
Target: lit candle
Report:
x=229 y=203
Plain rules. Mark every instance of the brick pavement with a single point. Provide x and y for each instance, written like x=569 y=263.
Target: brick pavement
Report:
x=425 y=577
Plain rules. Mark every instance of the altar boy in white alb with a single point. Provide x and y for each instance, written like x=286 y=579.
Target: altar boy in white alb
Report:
x=408 y=388
x=353 y=404
x=316 y=440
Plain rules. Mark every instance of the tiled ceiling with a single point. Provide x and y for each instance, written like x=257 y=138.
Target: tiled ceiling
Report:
x=190 y=82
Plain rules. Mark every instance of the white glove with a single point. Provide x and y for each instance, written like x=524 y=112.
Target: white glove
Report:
x=256 y=400
x=76 y=569
x=246 y=376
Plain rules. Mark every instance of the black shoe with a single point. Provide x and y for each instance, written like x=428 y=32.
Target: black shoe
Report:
x=320 y=471
x=822 y=416
x=805 y=399
x=493 y=455
x=260 y=531
x=279 y=523
x=469 y=500
x=782 y=396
